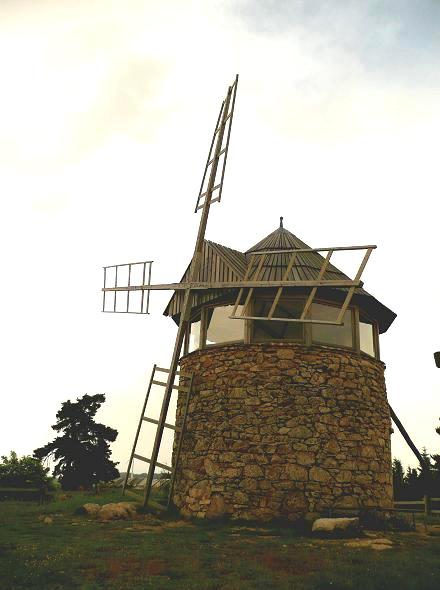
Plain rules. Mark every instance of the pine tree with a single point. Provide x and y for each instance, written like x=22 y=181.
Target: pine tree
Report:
x=398 y=479
x=82 y=452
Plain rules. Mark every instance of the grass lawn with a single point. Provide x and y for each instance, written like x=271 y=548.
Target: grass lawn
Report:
x=77 y=552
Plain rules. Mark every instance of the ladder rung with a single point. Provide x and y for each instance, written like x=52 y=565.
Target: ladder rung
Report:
x=222 y=123
x=219 y=154
x=161 y=465
x=212 y=201
x=214 y=189
x=163 y=384
x=168 y=371
x=153 y=421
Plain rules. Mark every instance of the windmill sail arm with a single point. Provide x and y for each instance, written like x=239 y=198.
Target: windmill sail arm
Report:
x=201 y=286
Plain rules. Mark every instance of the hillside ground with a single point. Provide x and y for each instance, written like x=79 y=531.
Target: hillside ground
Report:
x=73 y=551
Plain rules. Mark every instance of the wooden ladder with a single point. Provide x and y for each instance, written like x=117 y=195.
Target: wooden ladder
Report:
x=160 y=424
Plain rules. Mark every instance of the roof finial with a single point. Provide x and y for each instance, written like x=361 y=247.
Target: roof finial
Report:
x=281 y=221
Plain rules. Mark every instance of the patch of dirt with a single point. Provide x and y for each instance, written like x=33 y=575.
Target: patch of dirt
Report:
x=156 y=567
x=295 y=565
x=151 y=567
x=177 y=524
x=378 y=544
x=139 y=528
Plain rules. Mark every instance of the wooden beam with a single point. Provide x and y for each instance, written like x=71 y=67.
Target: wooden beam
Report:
x=299 y=250
x=406 y=436
x=238 y=285
x=298 y=320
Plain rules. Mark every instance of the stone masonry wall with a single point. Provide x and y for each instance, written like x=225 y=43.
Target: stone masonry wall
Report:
x=280 y=430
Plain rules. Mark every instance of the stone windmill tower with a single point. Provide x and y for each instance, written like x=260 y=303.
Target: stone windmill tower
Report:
x=282 y=406
x=286 y=417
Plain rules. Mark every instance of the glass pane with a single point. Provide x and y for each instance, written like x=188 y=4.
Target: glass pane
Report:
x=328 y=334
x=274 y=330
x=194 y=337
x=221 y=328
x=366 y=338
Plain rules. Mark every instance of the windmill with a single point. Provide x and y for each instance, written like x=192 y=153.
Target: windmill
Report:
x=274 y=267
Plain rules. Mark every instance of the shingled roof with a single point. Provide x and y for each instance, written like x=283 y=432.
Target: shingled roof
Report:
x=221 y=263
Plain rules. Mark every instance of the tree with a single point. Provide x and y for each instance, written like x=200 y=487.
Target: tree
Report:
x=82 y=452
x=398 y=479
x=26 y=472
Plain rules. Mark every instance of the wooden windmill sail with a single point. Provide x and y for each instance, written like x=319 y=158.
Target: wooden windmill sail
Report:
x=254 y=277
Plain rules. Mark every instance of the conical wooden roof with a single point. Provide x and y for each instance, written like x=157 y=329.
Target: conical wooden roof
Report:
x=307 y=264
x=221 y=263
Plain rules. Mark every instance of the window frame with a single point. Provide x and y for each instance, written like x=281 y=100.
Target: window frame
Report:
x=354 y=337
x=357 y=316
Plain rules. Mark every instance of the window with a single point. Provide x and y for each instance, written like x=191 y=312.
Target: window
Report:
x=331 y=334
x=274 y=330
x=194 y=336
x=366 y=338
x=221 y=328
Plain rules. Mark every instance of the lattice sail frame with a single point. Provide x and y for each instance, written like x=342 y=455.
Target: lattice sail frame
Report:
x=254 y=271
x=216 y=150
x=252 y=280
x=144 y=307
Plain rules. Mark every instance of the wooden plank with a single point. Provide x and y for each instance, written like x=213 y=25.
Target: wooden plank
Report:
x=128 y=264
x=246 y=276
x=163 y=384
x=251 y=290
x=280 y=289
x=7 y=489
x=156 y=463
x=220 y=153
x=405 y=435
x=356 y=278
x=200 y=286
x=153 y=421
x=313 y=291
x=298 y=320
x=301 y=250
x=178 y=373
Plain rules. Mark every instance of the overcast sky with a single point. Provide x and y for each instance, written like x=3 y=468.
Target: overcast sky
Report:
x=106 y=114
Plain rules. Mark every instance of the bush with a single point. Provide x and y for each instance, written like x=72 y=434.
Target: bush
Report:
x=26 y=472
x=377 y=520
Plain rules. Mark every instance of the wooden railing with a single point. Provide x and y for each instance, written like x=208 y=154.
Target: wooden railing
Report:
x=424 y=505
x=39 y=493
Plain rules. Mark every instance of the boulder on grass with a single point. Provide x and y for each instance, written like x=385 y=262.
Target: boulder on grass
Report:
x=130 y=507
x=111 y=511
x=118 y=511
x=336 y=527
x=91 y=509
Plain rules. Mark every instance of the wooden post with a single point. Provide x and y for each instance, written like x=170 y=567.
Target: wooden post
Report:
x=427 y=502
x=185 y=314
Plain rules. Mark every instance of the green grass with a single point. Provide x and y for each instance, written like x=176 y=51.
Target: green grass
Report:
x=76 y=552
